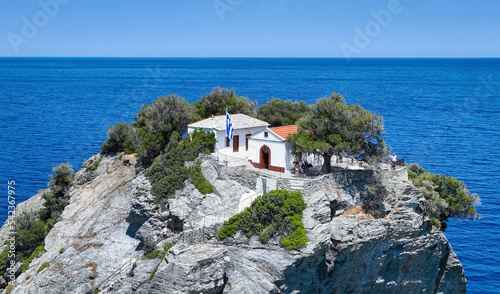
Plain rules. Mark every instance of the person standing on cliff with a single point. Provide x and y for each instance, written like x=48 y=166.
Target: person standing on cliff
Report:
x=394 y=159
x=164 y=232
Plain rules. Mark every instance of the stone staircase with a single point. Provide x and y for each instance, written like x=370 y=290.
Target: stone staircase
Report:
x=297 y=183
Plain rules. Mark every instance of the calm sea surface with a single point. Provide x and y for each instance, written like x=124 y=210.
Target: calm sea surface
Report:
x=441 y=113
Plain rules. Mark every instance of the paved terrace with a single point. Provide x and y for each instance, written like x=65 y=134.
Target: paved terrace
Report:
x=240 y=159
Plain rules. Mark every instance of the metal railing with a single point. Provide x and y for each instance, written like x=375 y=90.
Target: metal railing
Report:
x=400 y=162
x=229 y=160
x=128 y=265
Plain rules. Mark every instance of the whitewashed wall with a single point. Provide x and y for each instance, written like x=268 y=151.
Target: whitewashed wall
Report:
x=281 y=155
x=281 y=152
x=221 y=137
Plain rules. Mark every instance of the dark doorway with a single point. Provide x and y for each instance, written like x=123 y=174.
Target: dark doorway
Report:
x=236 y=143
x=246 y=140
x=265 y=157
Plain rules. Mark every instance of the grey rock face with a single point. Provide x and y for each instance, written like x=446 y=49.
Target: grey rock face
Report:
x=111 y=211
x=349 y=250
x=191 y=269
x=92 y=233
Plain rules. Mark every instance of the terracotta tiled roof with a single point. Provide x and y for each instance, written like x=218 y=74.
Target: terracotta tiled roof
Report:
x=284 y=131
x=239 y=121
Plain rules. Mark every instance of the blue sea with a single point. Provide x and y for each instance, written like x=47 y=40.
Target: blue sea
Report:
x=443 y=114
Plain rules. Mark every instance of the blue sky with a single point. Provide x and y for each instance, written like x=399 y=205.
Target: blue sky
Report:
x=250 y=28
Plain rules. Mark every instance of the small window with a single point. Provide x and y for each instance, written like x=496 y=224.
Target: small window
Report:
x=266 y=134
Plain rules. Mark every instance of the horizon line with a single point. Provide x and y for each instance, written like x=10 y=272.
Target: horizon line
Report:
x=251 y=57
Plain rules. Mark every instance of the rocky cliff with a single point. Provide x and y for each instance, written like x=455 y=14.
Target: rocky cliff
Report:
x=97 y=246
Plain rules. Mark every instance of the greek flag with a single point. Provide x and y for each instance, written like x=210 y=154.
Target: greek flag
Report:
x=229 y=127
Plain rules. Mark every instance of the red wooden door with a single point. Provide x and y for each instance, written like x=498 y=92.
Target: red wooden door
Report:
x=236 y=143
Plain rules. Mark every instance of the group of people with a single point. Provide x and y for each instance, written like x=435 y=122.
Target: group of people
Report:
x=164 y=234
x=305 y=167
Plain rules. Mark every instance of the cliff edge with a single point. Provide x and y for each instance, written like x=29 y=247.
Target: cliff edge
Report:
x=98 y=244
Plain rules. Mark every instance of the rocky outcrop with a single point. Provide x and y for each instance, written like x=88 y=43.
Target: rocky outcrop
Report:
x=99 y=242
x=29 y=206
x=192 y=269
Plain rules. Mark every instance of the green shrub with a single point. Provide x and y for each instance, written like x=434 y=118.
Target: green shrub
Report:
x=435 y=222
x=43 y=266
x=155 y=254
x=199 y=181
x=159 y=253
x=36 y=253
x=227 y=230
x=60 y=182
x=157 y=123
x=277 y=214
x=94 y=165
x=5 y=258
x=119 y=139
x=297 y=239
x=31 y=228
x=168 y=246
x=374 y=194
x=445 y=197
x=9 y=289
x=61 y=251
x=30 y=233
x=154 y=271
x=169 y=173
x=55 y=199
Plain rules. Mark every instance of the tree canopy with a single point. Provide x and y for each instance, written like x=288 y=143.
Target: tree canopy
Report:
x=157 y=122
x=155 y=125
x=282 y=113
x=165 y=115
x=216 y=102
x=332 y=127
x=445 y=197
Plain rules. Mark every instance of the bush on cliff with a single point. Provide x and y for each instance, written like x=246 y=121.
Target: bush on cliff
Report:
x=169 y=173
x=31 y=228
x=37 y=252
x=30 y=233
x=55 y=198
x=275 y=215
x=154 y=126
x=445 y=197
x=118 y=139
x=374 y=194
